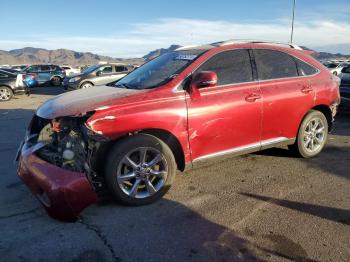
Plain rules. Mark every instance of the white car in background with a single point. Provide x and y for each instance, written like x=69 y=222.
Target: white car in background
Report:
x=70 y=70
x=336 y=68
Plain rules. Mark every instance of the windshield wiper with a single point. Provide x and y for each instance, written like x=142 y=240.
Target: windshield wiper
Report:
x=124 y=86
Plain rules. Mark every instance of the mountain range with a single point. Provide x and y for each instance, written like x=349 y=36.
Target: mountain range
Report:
x=31 y=55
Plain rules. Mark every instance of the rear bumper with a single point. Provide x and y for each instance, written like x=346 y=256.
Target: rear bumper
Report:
x=63 y=193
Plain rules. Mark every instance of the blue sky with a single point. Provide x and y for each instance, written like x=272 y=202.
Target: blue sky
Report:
x=132 y=28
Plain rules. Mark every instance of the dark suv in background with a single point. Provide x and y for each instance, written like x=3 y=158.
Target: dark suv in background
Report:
x=47 y=74
x=97 y=75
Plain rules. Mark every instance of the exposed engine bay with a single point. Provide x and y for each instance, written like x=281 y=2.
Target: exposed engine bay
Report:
x=68 y=144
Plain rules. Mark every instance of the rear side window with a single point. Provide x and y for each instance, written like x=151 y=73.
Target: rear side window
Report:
x=274 y=64
x=231 y=67
x=305 y=69
x=120 y=68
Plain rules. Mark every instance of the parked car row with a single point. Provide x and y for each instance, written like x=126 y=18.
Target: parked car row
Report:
x=97 y=75
x=335 y=68
x=11 y=83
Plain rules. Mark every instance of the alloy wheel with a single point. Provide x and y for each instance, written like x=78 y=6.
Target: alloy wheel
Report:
x=5 y=94
x=142 y=172
x=314 y=135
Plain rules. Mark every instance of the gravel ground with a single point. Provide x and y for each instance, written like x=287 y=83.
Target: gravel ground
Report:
x=267 y=206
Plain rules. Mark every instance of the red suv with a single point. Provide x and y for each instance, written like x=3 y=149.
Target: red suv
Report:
x=191 y=105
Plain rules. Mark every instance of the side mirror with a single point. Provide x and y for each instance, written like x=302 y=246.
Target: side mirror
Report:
x=204 y=79
x=98 y=73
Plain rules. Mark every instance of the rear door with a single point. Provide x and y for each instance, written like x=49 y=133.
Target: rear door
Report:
x=287 y=96
x=119 y=72
x=225 y=119
x=45 y=73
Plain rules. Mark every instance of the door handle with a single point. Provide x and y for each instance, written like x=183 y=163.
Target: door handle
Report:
x=306 y=89
x=252 y=97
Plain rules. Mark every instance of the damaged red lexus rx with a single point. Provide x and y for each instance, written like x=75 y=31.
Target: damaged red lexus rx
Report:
x=187 y=106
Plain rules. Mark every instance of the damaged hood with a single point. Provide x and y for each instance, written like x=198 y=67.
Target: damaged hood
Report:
x=82 y=100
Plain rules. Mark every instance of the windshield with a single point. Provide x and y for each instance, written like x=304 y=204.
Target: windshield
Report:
x=159 y=70
x=90 y=69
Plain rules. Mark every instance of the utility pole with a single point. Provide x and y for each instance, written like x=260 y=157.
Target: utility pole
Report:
x=291 y=35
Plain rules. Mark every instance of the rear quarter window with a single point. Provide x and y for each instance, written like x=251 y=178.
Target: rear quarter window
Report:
x=305 y=69
x=273 y=64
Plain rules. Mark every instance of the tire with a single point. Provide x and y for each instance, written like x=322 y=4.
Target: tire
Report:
x=6 y=93
x=56 y=81
x=158 y=168
x=86 y=85
x=312 y=135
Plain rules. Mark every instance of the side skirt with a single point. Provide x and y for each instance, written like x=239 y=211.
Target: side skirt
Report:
x=251 y=148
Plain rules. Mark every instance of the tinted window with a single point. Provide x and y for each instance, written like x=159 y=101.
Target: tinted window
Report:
x=120 y=68
x=305 y=69
x=33 y=68
x=346 y=70
x=274 y=64
x=45 y=68
x=230 y=66
x=2 y=75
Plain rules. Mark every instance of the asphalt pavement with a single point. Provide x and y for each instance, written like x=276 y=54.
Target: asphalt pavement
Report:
x=267 y=206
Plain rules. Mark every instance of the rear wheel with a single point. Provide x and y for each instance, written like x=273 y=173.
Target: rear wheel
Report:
x=312 y=135
x=140 y=170
x=6 y=93
x=56 y=81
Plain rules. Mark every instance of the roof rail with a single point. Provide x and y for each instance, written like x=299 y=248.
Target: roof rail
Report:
x=252 y=41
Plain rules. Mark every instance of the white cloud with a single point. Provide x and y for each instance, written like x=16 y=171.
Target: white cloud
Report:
x=144 y=37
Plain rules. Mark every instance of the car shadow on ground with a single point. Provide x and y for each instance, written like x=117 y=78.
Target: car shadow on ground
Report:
x=330 y=213
x=47 y=90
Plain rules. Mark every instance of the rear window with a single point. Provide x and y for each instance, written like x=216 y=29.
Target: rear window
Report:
x=305 y=69
x=273 y=64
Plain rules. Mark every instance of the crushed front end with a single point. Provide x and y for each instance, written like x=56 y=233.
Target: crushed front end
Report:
x=56 y=162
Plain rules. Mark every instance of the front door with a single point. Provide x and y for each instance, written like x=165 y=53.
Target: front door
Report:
x=226 y=118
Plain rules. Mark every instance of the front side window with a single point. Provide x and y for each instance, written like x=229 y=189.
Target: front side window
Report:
x=33 y=68
x=160 y=70
x=105 y=69
x=273 y=64
x=231 y=67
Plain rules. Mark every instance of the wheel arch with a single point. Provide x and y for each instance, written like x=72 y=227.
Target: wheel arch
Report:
x=85 y=81
x=327 y=112
x=164 y=135
x=173 y=143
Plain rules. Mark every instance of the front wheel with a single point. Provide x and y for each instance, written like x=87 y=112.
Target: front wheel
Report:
x=140 y=170
x=312 y=135
x=86 y=85
x=56 y=81
x=6 y=93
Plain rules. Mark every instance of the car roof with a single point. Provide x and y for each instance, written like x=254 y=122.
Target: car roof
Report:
x=239 y=42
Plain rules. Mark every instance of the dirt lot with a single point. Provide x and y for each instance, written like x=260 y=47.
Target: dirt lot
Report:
x=267 y=206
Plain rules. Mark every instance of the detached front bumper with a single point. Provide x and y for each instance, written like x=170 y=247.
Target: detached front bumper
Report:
x=63 y=193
